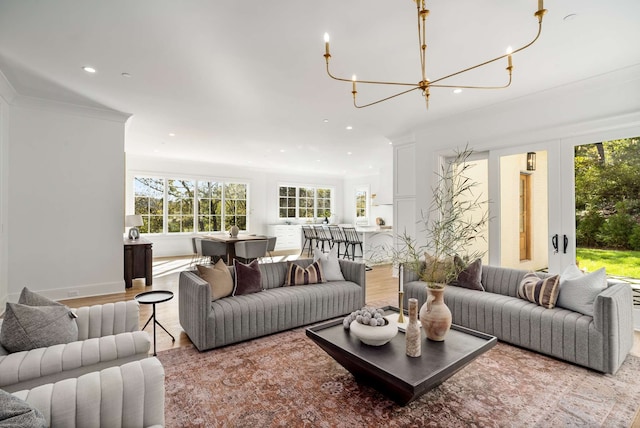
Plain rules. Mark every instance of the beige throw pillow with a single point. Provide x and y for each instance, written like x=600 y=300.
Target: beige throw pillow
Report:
x=219 y=279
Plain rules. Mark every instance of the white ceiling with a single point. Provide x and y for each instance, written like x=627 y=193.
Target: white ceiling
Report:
x=244 y=82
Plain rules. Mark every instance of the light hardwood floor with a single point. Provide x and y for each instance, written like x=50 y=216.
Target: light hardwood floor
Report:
x=381 y=286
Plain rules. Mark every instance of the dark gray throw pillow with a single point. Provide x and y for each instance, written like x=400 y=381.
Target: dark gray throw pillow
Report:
x=471 y=276
x=30 y=327
x=17 y=413
x=29 y=298
x=248 y=278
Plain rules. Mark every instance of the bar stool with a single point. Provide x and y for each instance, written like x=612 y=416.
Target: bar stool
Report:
x=309 y=235
x=337 y=237
x=353 y=239
x=322 y=237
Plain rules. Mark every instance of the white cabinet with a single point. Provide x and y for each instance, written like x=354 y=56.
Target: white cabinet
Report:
x=289 y=236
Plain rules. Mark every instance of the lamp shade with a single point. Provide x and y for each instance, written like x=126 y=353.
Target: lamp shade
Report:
x=133 y=220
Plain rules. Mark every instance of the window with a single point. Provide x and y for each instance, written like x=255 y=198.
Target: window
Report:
x=361 y=203
x=149 y=203
x=305 y=202
x=182 y=206
x=180 y=198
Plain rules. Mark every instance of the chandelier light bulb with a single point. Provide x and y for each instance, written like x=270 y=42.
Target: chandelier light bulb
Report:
x=326 y=37
x=509 y=50
x=326 y=47
x=353 y=79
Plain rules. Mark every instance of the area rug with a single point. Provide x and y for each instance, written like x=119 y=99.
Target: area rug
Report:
x=286 y=380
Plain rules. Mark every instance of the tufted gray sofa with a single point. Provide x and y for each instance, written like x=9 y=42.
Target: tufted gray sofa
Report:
x=601 y=342
x=277 y=308
x=108 y=335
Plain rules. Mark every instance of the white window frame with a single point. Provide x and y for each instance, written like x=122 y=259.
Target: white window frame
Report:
x=315 y=188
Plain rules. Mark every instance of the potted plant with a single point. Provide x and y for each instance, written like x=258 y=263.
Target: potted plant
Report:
x=446 y=230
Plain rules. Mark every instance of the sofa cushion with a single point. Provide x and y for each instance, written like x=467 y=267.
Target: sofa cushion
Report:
x=578 y=291
x=471 y=276
x=219 y=279
x=15 y=412
x=330 y=264
x=248 y=278
x=29 y=298
x=297 y=275
x=30 y=327
x=544 y=292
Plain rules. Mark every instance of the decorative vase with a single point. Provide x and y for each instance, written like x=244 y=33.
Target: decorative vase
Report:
x=374 y=336
x=412 y=332
x=435 y=316
x=233 y=231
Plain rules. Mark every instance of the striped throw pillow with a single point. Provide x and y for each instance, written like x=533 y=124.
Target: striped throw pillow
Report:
x=544 y=292
x=297 y=275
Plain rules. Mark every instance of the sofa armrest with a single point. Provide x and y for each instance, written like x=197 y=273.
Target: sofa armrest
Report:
x=355 y=272
x=194 y=306
x=613 y=317
x=128 y=395
x=26 y=369
x=108 y=319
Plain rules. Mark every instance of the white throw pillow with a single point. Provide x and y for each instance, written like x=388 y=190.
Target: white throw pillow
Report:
x=330 y=265
x=578 y=291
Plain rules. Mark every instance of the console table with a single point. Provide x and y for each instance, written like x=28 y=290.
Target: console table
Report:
x=137 y=261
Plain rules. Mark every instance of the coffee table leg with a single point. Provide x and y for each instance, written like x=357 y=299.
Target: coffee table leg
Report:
x=158 y=322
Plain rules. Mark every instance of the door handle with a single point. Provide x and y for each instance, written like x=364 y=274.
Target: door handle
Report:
x=565 y=244
x=554 y=242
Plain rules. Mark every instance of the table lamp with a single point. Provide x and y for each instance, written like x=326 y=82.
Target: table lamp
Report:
x=133 y=221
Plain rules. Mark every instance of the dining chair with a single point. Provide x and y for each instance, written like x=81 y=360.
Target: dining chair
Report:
x=213 y=250
x=322 y=237
x=271 y=245
x=196 y=243
x=353 y=240
x=248 y=251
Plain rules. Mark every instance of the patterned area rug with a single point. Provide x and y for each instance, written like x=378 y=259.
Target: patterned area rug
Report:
x=286 y=380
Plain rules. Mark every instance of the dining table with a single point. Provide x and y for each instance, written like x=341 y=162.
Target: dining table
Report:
x=231 y=242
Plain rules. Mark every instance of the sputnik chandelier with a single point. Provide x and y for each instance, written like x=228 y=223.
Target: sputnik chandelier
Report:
x=425 y=84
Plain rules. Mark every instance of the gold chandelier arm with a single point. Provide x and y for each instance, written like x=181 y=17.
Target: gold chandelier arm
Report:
x=473 y=87
x=383 y=99
x=491 y=60
x=371 y=82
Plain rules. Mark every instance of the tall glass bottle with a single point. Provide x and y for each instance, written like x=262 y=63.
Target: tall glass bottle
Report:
x=412 y=333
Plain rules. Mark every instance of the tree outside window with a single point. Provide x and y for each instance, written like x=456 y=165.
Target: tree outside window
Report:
x=149 y=203
x=323 y=202
x=287 y=204
x=210 y=206
x=235 y=205
x=306 y=202
x=180 y=200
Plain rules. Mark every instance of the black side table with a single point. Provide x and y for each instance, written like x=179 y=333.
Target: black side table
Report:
x=151 y=298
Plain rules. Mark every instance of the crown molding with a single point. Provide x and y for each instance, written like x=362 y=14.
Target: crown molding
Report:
x=27 y=102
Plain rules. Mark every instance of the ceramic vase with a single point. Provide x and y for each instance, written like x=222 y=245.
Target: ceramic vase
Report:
x=412 y=332
x=234 y=230
x=435 y=316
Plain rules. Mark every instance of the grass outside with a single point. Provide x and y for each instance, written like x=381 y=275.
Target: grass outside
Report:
x=617 y=263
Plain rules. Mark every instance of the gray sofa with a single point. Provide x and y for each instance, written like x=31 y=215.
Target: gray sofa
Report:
x=211 y=324
x=601 y=342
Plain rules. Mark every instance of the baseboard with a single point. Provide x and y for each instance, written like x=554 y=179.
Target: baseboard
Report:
x=76 y=291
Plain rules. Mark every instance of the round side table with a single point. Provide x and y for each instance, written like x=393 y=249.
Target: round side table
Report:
x=151 y=298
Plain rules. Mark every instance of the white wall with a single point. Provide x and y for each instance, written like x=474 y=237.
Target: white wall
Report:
x=602 y=106
x=4 y=190
x=64 y=200
x=263 y=193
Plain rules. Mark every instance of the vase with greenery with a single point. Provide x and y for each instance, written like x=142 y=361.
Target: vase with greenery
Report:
x=457 y=216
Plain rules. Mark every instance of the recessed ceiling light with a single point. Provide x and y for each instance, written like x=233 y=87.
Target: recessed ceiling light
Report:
x=349 y=153
x=89 y=69
x=457 y=91
x=125 y=74
x=171 y=134
x=156 y=151
x=282 y=150
x=326 y=121
x=570 y=17
x=349 y=128
x=317 y=160
x=391 y=143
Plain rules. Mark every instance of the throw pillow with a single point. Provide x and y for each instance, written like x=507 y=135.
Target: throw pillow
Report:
x=470 y=276
x=436 y=269
x=544 y=292
x=29 y=298
x=219 y=279
x=297 y=275
x=15 y=412
x=330 y=264
x=248 y=278
x=30 y=327
x=578 y=291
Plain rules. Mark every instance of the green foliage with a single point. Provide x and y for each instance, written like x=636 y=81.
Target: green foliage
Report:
x=607 y=186
x=617 y=263
x=634 y=238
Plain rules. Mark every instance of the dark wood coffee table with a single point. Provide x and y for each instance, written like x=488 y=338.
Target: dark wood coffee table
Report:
x=388 y=369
